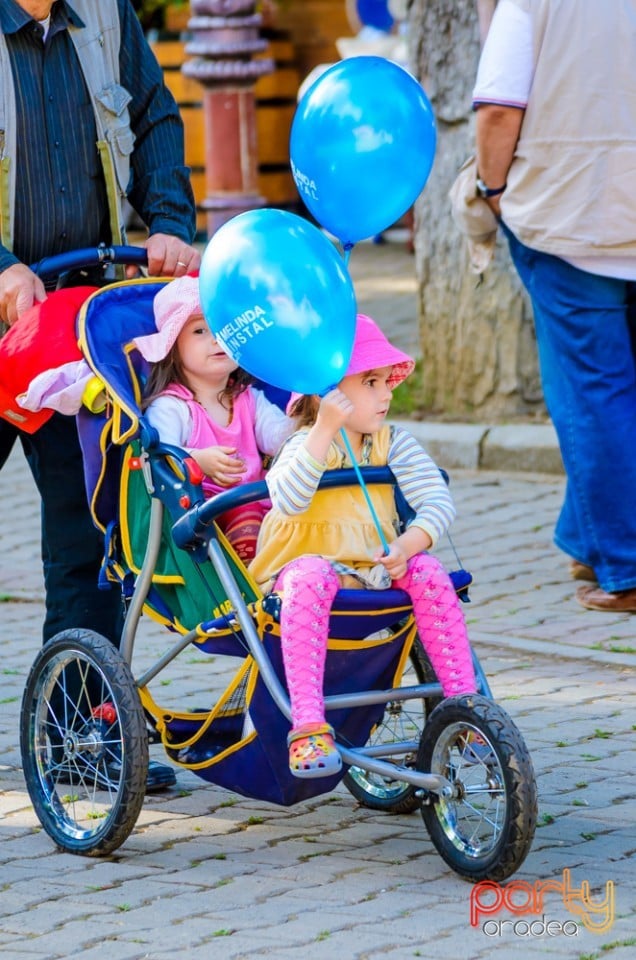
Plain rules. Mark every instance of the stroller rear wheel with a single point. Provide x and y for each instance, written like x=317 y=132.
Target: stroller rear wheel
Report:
x=485 y=829
x=83 y=743
x=402 y=720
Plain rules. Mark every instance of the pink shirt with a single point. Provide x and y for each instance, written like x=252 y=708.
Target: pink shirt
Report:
x=240 y=433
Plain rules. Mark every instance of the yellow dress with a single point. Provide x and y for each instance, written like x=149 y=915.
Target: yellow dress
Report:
x=337 y=524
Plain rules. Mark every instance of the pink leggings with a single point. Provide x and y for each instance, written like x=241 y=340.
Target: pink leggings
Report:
x=309 y=585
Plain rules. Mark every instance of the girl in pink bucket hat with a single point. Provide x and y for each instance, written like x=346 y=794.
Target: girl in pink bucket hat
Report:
x=199 y=399
x=314 y=541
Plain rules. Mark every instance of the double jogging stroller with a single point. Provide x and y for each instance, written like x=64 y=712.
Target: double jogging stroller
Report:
x=86 y=717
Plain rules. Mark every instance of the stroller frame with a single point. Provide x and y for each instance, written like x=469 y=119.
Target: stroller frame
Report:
x=468 y=753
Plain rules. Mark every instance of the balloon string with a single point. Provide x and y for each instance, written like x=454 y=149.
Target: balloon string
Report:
x=346 y=252
x=374 y=516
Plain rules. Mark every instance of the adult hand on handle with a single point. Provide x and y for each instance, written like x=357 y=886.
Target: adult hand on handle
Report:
x=168 y=257
x=20 y=288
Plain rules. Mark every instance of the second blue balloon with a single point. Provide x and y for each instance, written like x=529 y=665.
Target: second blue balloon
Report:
x=362 y=146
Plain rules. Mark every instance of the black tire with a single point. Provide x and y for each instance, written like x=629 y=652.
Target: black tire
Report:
x=402 y=720
x=84 y=743
x=485 y=830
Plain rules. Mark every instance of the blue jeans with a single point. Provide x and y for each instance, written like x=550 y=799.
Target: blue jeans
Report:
x=586 y=337
x=72 y=548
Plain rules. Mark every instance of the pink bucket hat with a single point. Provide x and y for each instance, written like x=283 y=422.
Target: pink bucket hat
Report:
x=173 y=306
x=372 y=350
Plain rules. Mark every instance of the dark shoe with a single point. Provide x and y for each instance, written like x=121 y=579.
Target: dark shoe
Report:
x=581 y=571
x=160 y=775
x=594 y=598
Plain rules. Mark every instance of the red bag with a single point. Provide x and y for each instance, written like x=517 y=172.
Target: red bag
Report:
x=44 y=337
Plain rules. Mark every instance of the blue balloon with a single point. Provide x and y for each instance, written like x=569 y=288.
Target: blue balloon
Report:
x=375 y=13
x=362 y=146
x=278 y=298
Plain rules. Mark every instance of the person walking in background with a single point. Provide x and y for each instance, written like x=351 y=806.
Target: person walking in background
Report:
x=556 y=160
x=85 y=120
x=198 y=398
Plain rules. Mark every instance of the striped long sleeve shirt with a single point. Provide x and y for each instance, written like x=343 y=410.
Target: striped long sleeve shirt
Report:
x=295 y=475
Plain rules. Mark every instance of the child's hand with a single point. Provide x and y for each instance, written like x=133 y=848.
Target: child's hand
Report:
x=394 y=561
x=332 y=415
x=334 y=410
x=221 y=464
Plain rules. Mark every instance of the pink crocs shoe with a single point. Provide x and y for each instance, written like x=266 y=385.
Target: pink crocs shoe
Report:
x=312 y=752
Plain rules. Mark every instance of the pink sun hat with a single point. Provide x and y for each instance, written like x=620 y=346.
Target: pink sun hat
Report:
x=371 y=350
x=173 y=306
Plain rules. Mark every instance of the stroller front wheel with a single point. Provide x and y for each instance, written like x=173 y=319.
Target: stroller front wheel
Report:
x=484 y=829
x=401 y=720
x=83 y=743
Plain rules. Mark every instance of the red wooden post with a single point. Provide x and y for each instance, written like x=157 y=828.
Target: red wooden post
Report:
x=225 y=37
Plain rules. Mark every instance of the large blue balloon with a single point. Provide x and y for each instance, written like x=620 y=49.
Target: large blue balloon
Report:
x=277 y=296
x=362 y=146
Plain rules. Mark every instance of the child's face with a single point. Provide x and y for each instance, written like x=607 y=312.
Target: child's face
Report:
x=370 y=394
x=200 y=354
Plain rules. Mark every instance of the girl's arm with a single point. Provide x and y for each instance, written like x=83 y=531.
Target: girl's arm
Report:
x=171 y=419
x=271 y=426
x=423 y=487
x=294 y=476
x=170 y=416
x=296 y=473
x=332 y=415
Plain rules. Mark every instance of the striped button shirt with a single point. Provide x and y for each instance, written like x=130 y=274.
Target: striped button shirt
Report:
x=60 y=193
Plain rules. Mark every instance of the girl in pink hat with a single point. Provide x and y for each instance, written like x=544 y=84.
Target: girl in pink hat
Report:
x=313 y=541
x=199 y=399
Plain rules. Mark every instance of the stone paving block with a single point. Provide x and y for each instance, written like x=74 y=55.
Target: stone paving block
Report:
x=41 y=919
x=117 y=949
x=11 y=951
x=84 y=939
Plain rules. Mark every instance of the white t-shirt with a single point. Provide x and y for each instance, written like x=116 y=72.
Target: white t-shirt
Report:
x=504 y=76
x=506 y=66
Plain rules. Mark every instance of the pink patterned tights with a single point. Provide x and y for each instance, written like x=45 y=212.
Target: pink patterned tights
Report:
x=308 y=586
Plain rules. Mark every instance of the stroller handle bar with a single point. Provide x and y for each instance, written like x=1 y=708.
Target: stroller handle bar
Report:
x=195 y=527
x=50 y=267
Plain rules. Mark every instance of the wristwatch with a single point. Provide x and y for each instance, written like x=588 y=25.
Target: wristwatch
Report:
x=483 y=191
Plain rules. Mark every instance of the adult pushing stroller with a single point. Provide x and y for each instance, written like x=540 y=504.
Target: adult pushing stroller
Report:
x=85 y=714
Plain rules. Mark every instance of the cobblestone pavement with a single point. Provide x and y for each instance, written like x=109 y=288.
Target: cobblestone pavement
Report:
x=208 y=874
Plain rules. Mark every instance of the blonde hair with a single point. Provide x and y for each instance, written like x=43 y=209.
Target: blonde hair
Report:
x=305 y=410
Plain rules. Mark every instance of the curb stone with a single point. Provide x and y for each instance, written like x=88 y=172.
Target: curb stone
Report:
x=531 y=448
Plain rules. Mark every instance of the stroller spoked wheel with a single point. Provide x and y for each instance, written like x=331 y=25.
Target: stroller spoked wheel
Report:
x=402 y=720
x=484 y=830
x=84 y=744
